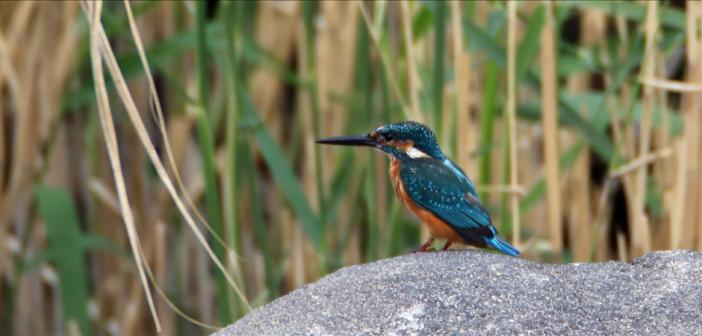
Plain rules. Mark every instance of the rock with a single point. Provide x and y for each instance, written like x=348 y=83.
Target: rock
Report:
x=473 y=292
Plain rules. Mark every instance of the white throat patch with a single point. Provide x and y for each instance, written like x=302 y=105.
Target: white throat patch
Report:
x=415 y=153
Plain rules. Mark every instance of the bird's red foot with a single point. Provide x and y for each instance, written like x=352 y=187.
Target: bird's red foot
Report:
x=426 y=247
x=447 y=245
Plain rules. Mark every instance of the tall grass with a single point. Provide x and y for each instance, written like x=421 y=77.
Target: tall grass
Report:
x=577 y=121
x=549 y=122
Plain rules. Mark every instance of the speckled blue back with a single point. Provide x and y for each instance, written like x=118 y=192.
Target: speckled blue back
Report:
x=433 y=186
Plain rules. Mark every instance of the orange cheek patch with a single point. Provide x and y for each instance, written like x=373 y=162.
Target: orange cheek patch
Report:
x=401 y=145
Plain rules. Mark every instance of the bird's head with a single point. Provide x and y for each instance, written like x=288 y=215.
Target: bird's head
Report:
x=403 y=140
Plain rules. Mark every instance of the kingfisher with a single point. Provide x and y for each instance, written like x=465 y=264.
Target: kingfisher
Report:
x=432 y=186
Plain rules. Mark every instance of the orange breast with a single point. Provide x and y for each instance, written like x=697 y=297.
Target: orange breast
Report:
x=437 y=227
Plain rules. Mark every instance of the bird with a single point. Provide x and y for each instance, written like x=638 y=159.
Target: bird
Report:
x=431 y=186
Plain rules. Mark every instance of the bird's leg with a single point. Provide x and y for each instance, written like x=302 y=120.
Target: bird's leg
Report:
x=426 y=247
x=447 y=245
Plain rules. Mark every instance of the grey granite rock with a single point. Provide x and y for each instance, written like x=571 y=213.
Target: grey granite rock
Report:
x=472 y=292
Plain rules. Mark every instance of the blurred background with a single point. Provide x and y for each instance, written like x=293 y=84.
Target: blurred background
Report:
x=579 y=122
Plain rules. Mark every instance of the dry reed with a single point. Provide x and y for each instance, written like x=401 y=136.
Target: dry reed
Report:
x=550 y=129
x=511 y=114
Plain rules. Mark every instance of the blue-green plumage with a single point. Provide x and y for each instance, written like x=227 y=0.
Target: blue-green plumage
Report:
x=433 y=182
x=437 y=188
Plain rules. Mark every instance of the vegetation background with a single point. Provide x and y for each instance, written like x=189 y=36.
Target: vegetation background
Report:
x=579 y=121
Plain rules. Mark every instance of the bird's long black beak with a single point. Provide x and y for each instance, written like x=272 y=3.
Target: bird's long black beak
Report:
x=349 y=140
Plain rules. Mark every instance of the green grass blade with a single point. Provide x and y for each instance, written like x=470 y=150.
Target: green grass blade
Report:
x=206 y=143
x=65 y=241
x=309 y=12
x=232 y=21
x=263 y=234
x=530 y=44
x=283 y=175
x=479 y=40
x=487 y=122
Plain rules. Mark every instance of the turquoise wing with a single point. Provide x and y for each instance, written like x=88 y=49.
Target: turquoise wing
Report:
x=435 y=187
x=462 y=176
x=447 y=195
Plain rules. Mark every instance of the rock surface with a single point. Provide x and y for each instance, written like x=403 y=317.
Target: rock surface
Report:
x=472 y=292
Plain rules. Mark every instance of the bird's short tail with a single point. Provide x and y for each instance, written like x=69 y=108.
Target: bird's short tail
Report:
x=498 y=244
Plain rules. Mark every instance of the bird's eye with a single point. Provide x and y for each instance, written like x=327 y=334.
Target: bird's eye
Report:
x=387 y=137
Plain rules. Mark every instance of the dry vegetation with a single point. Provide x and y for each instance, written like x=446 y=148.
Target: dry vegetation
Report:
x=164 y=151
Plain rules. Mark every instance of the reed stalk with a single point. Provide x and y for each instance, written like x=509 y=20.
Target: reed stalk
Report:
x=94 y=11
x=438 y=70
x=641 y=231
x=549 y=122
x=510 y=112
